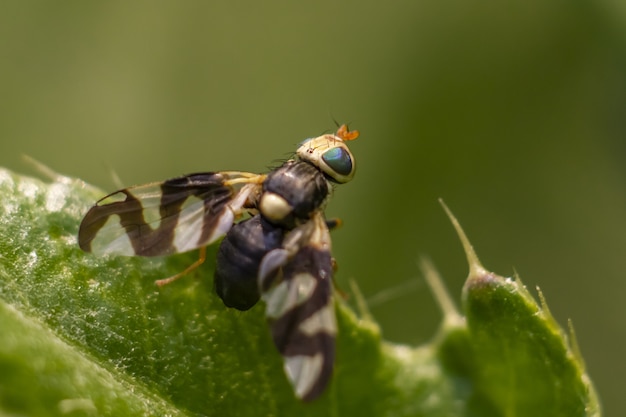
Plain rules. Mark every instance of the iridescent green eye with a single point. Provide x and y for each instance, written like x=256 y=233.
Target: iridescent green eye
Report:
x=339 y=160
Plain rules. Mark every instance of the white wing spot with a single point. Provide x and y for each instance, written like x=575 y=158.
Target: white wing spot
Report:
x=152 y=216
x=303 y=371
x=321 y=321
x=288 y=294
x=119 y=243
x=305 y=285
x=223 y=225
x=276 y=300
x=187 y=232
x=270 y=263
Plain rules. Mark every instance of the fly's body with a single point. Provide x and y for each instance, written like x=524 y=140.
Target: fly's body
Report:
x=276 y=244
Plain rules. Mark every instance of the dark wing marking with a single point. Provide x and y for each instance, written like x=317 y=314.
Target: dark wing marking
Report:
x=157 y=219
x=296 y=283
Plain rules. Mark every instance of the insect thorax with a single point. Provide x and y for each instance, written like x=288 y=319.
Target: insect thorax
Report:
x=292 y=192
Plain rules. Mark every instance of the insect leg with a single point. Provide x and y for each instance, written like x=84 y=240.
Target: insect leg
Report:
x=333 y=224
x=195 y=265
x=245 y=179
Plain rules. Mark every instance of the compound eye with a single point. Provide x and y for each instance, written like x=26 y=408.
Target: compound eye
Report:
x=339 y=160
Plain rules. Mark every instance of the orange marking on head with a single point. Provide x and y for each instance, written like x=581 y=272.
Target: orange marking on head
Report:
x=346 y=134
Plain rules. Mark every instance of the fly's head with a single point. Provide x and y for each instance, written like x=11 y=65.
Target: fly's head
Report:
x=331 y=154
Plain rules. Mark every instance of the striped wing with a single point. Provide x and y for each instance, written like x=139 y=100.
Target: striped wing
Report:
x=173 y=216
x=296 y=285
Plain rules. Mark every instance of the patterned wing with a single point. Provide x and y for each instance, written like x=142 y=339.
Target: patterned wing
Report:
x=296 y=285
x=173 y=216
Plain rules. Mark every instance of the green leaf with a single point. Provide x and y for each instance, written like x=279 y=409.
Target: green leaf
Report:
x=91 y=336
x=521 y=362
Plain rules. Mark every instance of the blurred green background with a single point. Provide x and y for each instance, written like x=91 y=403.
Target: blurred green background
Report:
x=513 y=112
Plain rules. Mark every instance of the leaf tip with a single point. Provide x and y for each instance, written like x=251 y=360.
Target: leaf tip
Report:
x=45 y=171
x=573 y=344
x=361 y=303
x=476 y=268
x=441 y=294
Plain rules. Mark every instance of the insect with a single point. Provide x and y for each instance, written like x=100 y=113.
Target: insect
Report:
x=276 y=244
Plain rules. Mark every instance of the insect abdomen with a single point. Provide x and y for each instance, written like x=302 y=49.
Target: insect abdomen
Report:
x=238 y=261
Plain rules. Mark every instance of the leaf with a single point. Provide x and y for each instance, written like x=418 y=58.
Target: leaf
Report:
x=91 y=336
x=522 y=363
